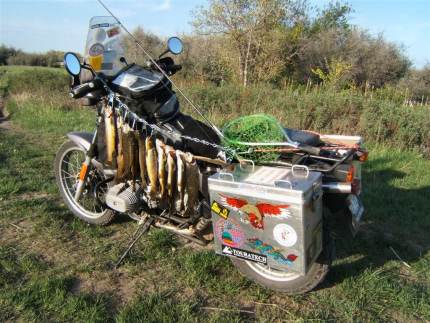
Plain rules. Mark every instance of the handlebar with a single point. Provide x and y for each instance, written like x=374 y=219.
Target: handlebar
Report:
x=83 y=89
x=174 y=68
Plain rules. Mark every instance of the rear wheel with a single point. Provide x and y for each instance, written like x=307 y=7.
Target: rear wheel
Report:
x=68 y=163
x=289 y=282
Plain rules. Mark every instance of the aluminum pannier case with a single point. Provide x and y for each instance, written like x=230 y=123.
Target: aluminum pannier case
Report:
x=268 y=215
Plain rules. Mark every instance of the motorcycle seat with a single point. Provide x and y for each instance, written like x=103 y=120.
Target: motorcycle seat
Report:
x=303 y=137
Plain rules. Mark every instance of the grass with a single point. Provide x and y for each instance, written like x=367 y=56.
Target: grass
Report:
x=54 y=267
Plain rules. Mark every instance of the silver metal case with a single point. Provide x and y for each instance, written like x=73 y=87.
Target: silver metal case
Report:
x=268 y=215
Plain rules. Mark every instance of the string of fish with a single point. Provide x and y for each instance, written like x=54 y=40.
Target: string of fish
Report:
x=168 y=175
x=123 y=110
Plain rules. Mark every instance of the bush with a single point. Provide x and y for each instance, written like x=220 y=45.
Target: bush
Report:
x=375 y=116
x=380 y=116
x=35 y=80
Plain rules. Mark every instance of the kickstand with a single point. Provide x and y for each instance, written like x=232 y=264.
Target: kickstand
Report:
x=143 y=227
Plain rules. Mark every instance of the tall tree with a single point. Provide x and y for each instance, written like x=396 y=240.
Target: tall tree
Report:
x=254 y=29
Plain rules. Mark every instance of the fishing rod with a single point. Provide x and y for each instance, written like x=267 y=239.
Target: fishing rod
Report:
x=153 y=61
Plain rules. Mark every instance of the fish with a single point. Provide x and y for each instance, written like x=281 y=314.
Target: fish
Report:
x=162 y=159
x=192 y=185
x=180 y=180
x=126 y=153
x=171 y=169
x=109 y=122
x=142 y=158
x=120 y=150
x=151 y=166
x=134 y=156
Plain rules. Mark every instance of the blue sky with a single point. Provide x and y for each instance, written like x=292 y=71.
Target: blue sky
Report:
x=40 y=25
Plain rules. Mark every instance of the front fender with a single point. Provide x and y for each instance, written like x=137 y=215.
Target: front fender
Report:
x=82 y=139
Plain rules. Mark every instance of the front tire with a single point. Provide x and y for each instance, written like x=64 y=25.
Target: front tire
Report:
x=67 y=165
x=289 y=282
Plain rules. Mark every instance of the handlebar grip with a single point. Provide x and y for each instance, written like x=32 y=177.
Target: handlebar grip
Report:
x=83 y=89
x=310 y=149
x=176 y=68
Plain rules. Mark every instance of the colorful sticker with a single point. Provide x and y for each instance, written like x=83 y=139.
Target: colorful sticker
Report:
x=113 y=32
x=257 y=212
x=96 y=50
x=220 y=210
x=229 y=233
x=271 y=252
x=285 y=235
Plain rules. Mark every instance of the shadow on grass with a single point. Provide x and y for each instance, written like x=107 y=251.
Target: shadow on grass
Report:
x=395 y=219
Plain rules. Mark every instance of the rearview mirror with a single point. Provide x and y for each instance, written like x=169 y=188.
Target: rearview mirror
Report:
x=72 y=64
x=175 y=46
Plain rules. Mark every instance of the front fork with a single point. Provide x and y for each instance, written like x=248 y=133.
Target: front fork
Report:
x=86 y=166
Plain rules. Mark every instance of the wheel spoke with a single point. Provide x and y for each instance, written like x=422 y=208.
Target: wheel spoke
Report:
x=70 y=175
x=71 y=164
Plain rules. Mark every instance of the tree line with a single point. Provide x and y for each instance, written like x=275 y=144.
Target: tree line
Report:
x=278 y=41
x=274 y=41
x=12 y=56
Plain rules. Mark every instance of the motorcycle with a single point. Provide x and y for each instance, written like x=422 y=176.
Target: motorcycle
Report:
x=165 y=169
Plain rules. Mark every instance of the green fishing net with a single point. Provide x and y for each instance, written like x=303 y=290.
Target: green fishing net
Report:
x=257 y=128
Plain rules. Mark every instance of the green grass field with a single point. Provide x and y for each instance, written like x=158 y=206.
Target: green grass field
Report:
x=54 y=267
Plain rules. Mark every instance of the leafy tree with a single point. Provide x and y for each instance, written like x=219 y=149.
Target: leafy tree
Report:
x=151 y=42
x=253 y=27
x=5 y=53
x=417 y=83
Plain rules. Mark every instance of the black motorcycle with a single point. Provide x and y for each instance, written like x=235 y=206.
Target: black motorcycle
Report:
x=148 y=160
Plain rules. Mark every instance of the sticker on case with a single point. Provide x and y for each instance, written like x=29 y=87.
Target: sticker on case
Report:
x=285 y=235
x=229 y=233
x=271 y=252
x=257 y=212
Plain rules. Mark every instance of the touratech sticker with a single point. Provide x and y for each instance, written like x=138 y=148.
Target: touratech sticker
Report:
x=243 y=254
x=229 y=233
x=220 y=210
x=257 y=212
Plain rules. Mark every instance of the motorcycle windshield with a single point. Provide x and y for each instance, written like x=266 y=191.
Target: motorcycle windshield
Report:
x=103 y=48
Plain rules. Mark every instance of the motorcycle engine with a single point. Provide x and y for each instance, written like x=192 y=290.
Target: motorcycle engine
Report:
x=123 y=197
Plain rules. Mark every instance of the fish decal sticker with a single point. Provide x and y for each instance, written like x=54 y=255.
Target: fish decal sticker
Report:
x=255 y=213
x=229 y=233
x=271 y=252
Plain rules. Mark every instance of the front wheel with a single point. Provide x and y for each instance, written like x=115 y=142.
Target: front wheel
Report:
x=289 y=282
x=67 y=165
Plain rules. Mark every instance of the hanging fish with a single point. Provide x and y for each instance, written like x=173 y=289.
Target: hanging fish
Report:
x=109 y=134
x=192 y=185
x=151 y=166
x=180 y=180
x=171 y=168
x=134 y=157
x=127 y=138
x=162 y=159
x=142 y=158
x=120 y=149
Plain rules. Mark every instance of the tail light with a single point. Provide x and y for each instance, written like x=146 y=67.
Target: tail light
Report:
x=362 y=155
x=350 y=174
x=354 y=180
